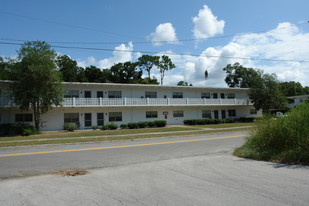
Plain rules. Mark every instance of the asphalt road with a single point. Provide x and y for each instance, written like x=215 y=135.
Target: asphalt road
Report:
x=196 y=170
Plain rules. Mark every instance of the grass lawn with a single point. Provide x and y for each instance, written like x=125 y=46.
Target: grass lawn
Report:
x=225 y=125
x=78 y=136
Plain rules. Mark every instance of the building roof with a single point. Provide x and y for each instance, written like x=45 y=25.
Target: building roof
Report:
x=300 y=96
x=144 y=86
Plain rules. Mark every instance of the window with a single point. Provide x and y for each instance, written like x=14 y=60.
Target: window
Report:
x=115 y=116
x=114 y=94
x=99 y=94
x=152 y=114
x=253 y=111
x=87 y=94
x=23 y=118
x=215 y=95
x=206 y=114
x=178 y=113
x=232 y=112
x=205 y=95
x=222 y=96
x=88 y=118
x=71 y=117
x=150 y=94
x=100 y=119
x=71 y=94
x=231 y=95
x=177 y=95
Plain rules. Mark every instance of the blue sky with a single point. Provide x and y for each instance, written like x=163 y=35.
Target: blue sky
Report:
x=200 y=34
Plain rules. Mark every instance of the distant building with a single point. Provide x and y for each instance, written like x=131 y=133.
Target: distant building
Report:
x=88 y=104
x=296 y=100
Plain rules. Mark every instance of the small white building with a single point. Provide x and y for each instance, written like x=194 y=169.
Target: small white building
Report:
x=88 y=104
x=296 y=100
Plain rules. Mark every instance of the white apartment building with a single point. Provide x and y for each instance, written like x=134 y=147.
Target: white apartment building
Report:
x=88 y=104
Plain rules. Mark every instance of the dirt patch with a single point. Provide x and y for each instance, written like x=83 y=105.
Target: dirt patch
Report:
x=71 y=172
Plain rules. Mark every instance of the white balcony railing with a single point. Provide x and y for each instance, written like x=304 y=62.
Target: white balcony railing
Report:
x=104 y=102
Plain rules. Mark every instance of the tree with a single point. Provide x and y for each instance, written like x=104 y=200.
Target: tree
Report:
x=165 y=64
x=147 y=62
x=266 y=93
x=292 y=88
x=183 y=83
x=125 y=73
x=4 y=69
x=37 y=83
x=239 y=76
x=93 y=74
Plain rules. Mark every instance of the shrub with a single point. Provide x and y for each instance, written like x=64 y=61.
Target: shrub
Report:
x=94 y=127
x=132 y=125
x=151 y=124
x=104 y=127
x=112 y=126
x=123 y=126
x=70 y=127
x=142 y=124
x=160 y=123
x=228 y=120
x=284 y=139
x=29 y=131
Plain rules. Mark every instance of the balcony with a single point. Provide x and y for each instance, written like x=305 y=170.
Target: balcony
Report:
x=123 y=102
x=106 y=102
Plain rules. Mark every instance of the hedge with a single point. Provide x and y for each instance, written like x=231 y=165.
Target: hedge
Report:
x=17 y=129
x=207 y=121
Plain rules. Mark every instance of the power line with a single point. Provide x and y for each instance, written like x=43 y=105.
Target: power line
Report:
x=159 y=42
x=170 y=54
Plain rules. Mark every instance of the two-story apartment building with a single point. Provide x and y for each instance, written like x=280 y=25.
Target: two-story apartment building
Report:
x=88 y=104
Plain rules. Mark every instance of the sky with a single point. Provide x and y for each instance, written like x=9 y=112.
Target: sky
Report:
x=197 y=35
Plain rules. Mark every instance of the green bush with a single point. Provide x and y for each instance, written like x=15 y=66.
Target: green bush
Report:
x=123 y=126
x=94 y=127
x=29 y=131
x=228 y=120
x=112 y=126
x=160 y=123
x=70 y=127
x=104 y=127
x=132 y=125
x=151 y=124
x=284 y=139
x=142 y=124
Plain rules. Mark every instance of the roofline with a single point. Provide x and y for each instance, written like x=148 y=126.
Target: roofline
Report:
x=299 y=96
x=140 y=85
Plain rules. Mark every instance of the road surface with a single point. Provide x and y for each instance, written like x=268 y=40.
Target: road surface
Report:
x=195 y=170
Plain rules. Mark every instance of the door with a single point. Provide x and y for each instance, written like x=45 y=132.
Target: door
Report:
x=99 y=94
x=100 y=119
x=87 y=94
x=88 y=118
x=216 y=114
x=223 y=115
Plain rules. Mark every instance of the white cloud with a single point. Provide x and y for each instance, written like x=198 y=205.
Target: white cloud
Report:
x=122 y=53
x=164 y=32
x=285 y=42
x=206 y=24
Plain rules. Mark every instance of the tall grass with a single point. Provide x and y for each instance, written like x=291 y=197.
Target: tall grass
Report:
x=283 y=139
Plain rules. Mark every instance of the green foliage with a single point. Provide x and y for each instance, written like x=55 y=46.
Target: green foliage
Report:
x=29 y=131
x=284 y=139
x=17 y=129
x=165 y=64
x=292 y=89
x=207 y=121
x=239 y=76
x=37 y=82
x=147 y=62
x=112 y=126
x=266 y=94
x=160 y=123
x=132 y=125
x=183 y=83
x=70 y=127
x=123 y=126
x=151 y=124
x=142 y=124
x=104 y=127
x=94 y=127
